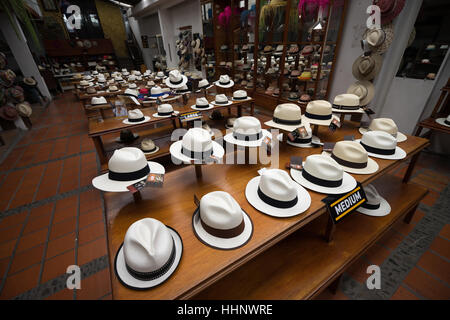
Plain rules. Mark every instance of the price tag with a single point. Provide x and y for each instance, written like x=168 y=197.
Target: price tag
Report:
x=267 y=142
x=296 y=163
x=155 y=180
x=341 y=206
x=349 y=138
x=328 y=146
x=190 y=116
x=335 y=123
x=135 y=187
x=299 y=133
x=364 y=124
x=368 y=111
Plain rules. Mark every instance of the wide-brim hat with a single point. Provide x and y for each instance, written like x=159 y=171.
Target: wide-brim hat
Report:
x=29 y=81
x=210 y=106
x=222 y=104
x=285 y=127
x=388 y=30
x=304 y=145
x=146 y=119
x=156 y=115
x=372 y=166
x=441 y=121
x=359 y=110
x=228 y=85
x=175 y=151
x=8 y=112
x=303 y=203
x=177 y=85
x=360 y=87
x=310 y=121
x=131 y=282
x=383 y=210
x=400 y=136
x=389 y=9
x=348 y=183
x=375 y=59
x=162 y=96
x=398 y=154
x=104 y=183
x=256 y=143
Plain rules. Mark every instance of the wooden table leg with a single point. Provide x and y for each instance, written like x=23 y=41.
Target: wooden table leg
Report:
x=342 y=118
x=334 y=286
x=418 y=131
x=239 y=110
x=174 y=123
x=198 y=171
x=329 y=232
x=137 y=196
x=408 y=217
x=100 y=150
x=252 y=108
x=102 y=113
x=411 y=166
x=315 y=130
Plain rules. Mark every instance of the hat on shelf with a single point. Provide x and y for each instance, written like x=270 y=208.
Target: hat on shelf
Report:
x=30 y=81
x=247 y=132
x=353 y=158
x=88 y=77
x=305 y=76
x=85 y=83
x=148 y=146
x=367 y=67
x=165 y=111
x=95 y=101
x=305 y=98
x=380 y=144
x=306 y=142
x=293 y=96
x=221 y=100
x=196 y=145
x=126 y=136
x=202 y=104
x=379 y=39
x=160 y=75
x=176 y=79
x=324 y=175
x=8 y=112
x=91 y=90
x=346 y=103
x=101 y=80
x=444 y=121
x=318 y=112
x=224 y=82
x=132 y=86
x=389 y=9
x=286 y=116
x=136 y=116
x=274 y=193
x=132 y=77
x=131 y=92
x=364 y=89
x=156 y=92
x=203 y=84
x=387 y=125
x=376 y=205
x=24 y=109
x=240 y=95
x=183 y=89
x=220 y=222
x=149 y=255
x=126 y=166
x=230 y=123
x=112 y=88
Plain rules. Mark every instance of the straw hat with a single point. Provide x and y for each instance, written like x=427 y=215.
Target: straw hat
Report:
x=379 y=39
x=387 y=125
x=380 y=144
x=389 y=9
x=24 y=109
x=364 y=89
x=136 y=116
x=8 y=112
x=202 y=104
x=367 y=67
x=318 y=112
x=247 y=132
x=286 y=116
x=376 y=205
x=346 y=103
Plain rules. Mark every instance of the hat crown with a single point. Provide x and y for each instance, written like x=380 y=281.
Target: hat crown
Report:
x=201 y=101
x=366 y=65
x=323 y=167
x=98 y=100
x=156 y=90
x=384 y=124
x=203 y=83
x=135 y=114
x=132 y=85
x=221 y=98
x=174 y=75
x=132 y=92
x=147 y=144
x=224 y=78
x=346 y=99
x=148 y=245
x=240 y=93
x=165 y=107
x=287 y=111
x=197 y=140
x=350 y=151
x=112 y=88
x=360 y=90
x=448 y=118
x=126 y=160
x=319 y=107
x=372 y=195
x=219 y=210
x=247 y=125
x=160 y=74
x=379 y=139
x=277 y=184
x=375 y=37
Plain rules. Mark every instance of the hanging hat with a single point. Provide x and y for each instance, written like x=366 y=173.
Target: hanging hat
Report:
x=126 y=166
x=224 y=82
x=30 y=81
x=220 y=222
x=387 y=125
x=7 y=77
x=156 y=92
x=346 y=103
x=24 y=109
x=367 y=67
x=136 y=116
x=165 y=110
x=444 y=121
x=148 y=146
x=389 y=9
x=240 y=95
x=275 y=194
x=324 y=175
x=380 y=144
x=376 y=205
x=286 y=116
x=247 y=132
x=353 y=158
x=221 y=100
x=149 y=255
x=379 y=39
x=306 y=142
x=196 y=145
x=364 y=89
x=8 y=112
x=318 y=112
x=3 y=61
x=176 y=79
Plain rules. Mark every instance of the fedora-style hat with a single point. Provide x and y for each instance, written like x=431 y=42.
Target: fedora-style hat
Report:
x=204 y=84
x=148 y=146
x=274 y=193
x=376 y=205
x=380 y=144
x=8 y=112
x=29 y=81
x=379 y=39
x=156 y=92
x=84 y=83
x=221 y=100
x=160 y=75
x=318 y=112
x=324 y=175
x=220 y=222
x=149 y=254
x=183 y=89
x=165 y=110
x=24 y=109
x=387 y=125
x=353 y=158
x=150 y=83
x=132 y=86
x=230 y=123
x=286 y=116
x=126 y=136
x=95 y=101
x=367 y=67
x=389 y=9
x=113 y=88
x=131 y=92
x=91 y=90
x=202 y=104
x=364 y=89
x=196 y=145
x=306 y=142
x=136 y=116
x=346 y=103
x=126 y=166
x=224 y=82
x=176 y=79
x=240 y=95
x=444 y=121
x=247 y=132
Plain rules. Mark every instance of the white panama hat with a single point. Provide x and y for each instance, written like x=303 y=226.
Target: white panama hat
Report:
x=136 y=116
x=156 y=92
x=274 y=193
x=318 y=112
x=376 y=205
x=240 y=95
x=132 y=86
x=286 y=116
x=247 y=132
x=306 y=142
x=196 y=145
x=165 y=110
x=160 y=75
x=444 y=121
x=221 y=100
x=95 y=101
x=324 y=175
x=202 y=104
x=353 y=158
x=175 y=79
x=380 y=144
x=387 y=125
x=148 y=146
x=126 y=166
x=149 y=255
x=204 y=84
x=224 y=82
x=346 y=103
x=219 y=222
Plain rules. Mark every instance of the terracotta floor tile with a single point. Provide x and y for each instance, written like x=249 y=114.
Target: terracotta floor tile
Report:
x=91 y=251
x=41 y=210
x=37 y=223
x=26 y=258
x=430 y=198
x=3 y=265
x=90 y=217
x=8 y=189
x=426 y=286
x=13 y=219
x=435 y=265
x=328 y=295
x=377 y=254
x=95 y=286
x=10 y=233
x=50 y=180
x=63 y=228
x=358 y=270
x=25 y=193
x=90 y=200
x=445 y=232
x=403 y=294
x=60 y=245
x=91 y=232
x=391 y=239
x=69 y=177
x=64 y=214
x=6 y=248
x=64 y=294
x=57 y=266
x=32 y=239
x=20 y=282
x=441 y=246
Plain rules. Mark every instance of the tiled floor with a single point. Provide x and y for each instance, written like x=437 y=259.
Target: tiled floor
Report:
x=51 y=217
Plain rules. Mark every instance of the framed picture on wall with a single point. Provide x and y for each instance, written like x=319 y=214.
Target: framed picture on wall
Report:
x=49 y=5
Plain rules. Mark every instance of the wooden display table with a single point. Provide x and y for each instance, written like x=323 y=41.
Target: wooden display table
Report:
x=201 y=266
x=430 y=123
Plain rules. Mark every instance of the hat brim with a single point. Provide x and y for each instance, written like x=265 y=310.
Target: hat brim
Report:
x=400 y=136
x=441 y=121
x=284 y=127
x=158 y=116
x=175 y=151
x=389 y=37
x=370 y=91
x=176 y=86
x=131 y=282
x=304 y=145
x=103 y=182
x=303 y=203
x=372 y=166
x=257 y=143
x=315 y=121
x=398 y=155
x=217 y=83
x=126 y=121
x=208 y=86
x=359 y=110
x=239 y=100
x=371 y=75
x=151 y=152
x=222 y=243
x=382 y=211
x=162 y=97
x=210 y=106
x=221 y=104
x=348 y=183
